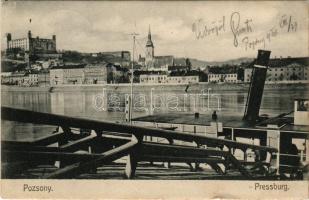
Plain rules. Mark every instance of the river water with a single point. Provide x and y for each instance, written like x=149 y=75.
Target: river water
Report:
x=109 y=105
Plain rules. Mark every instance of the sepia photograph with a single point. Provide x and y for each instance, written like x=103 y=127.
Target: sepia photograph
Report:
x=156 y=94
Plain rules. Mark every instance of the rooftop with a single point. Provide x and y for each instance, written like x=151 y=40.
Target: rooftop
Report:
x=283 y=62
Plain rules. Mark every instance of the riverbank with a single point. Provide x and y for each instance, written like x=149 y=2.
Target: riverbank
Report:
x=161 y=87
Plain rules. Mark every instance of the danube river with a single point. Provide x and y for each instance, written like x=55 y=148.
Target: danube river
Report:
x=109 y=104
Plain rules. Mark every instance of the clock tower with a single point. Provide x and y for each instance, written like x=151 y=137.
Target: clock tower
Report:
x=149 y=50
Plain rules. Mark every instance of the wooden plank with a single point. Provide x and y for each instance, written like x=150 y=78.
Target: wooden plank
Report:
x=52 y=119
x=80 y=167
x=28 y=147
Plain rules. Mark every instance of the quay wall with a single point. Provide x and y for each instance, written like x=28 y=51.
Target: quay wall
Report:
x=242 y=87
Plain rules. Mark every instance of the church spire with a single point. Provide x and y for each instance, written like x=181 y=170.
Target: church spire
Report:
x=149 y=41
x=149 y=33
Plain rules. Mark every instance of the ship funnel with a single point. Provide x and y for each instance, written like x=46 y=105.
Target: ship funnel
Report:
x=256 y=87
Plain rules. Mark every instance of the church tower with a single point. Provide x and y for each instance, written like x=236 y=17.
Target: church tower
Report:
x=149 y=50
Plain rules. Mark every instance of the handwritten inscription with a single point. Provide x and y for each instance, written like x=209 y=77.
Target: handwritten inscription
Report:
x=242 y=30
x=288 y=23
x=203 y=30
x=239 y=29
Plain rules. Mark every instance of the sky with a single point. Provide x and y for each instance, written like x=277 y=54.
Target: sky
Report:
x=210 y=31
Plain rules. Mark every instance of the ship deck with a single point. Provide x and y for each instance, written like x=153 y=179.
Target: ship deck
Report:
x=284 y=124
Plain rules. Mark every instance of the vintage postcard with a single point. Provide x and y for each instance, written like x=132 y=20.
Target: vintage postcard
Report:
x=154 y=99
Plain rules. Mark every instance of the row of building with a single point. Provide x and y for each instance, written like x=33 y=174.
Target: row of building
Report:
x=66 y=75
x=166 y=79
x=109 y=73
x=25 y=78
x=112 y=67
x=226 y=78
x=279 y=70
x=290 y=69
x=88 y=74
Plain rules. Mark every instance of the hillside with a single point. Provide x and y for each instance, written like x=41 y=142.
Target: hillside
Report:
x=203 y=64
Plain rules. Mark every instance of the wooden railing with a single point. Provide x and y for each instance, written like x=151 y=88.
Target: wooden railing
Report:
x=112 y=141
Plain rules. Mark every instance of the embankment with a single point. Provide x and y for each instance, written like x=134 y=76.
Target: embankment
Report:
x=242 y=87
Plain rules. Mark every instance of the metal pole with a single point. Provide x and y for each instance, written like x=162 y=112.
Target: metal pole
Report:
x=208 y=98
x=131 y=96
x=151 y=101
x=233 y=150
x=278 y=154
x=132 y=75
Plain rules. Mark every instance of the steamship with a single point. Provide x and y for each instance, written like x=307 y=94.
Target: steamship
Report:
x=287 y=132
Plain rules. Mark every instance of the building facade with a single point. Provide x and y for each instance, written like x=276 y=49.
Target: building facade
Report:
x=96 y=74
x=291 y=72
x=31 y=48
x=31 y=44
x=165 y=79
x=152 y=78
x=43 y=78
x=182 y=79
x=67 y=75
x=223 y=78
x=87 y=74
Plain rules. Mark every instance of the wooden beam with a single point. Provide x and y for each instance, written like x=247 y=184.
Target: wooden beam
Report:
x=80 y=167
x=239 y=166
x=133 y=157
x=217 y=168
x=49 y=139
x=76 y=145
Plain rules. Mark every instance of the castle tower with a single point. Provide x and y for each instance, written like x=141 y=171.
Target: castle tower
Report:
x=149 y=50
